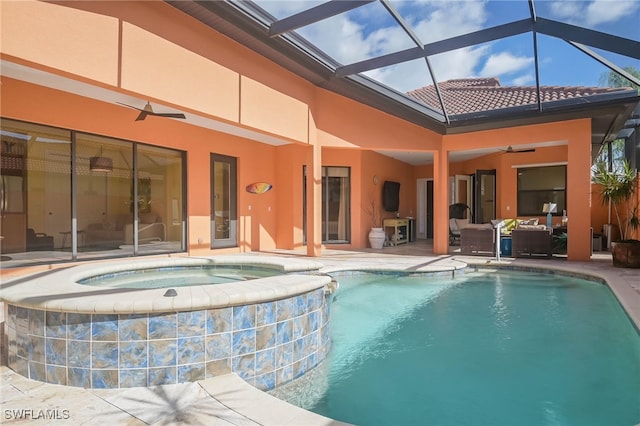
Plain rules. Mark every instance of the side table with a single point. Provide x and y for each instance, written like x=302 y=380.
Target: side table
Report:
x=66 y=234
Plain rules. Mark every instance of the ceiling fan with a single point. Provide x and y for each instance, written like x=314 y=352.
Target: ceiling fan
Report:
x=147 y=110
x=510 y=150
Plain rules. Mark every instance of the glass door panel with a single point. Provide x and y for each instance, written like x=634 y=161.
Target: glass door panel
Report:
x=104 y=203
x=160 y=225
x=485 y=196
x=224 y=221
x=36 y=215
x=336 y=201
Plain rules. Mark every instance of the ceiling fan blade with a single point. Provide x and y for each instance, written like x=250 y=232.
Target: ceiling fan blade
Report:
x=130 y=106
x=143 y=114
x=170 y=114
x=510 y=150
x=147 y=110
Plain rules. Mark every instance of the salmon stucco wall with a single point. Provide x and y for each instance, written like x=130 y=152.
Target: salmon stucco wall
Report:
x=256 y=162
x=150 y=50
x=289 y=168
x=385 y=168
x=347 y=123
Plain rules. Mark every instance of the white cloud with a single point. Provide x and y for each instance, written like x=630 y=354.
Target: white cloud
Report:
x=524 y=80
x=593 y=13
x=565 y=10
x=459 y=63
x=607 y=11
x=340 y=38
x=505 y=63
x=449 y=19
x=348 y=38
x=283 y=8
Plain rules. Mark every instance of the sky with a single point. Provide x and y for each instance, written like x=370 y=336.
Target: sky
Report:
x=370 y=31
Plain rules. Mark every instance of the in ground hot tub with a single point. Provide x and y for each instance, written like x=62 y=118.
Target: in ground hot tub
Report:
x=65 y=329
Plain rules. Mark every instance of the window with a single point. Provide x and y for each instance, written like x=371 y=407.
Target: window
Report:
x=539 y=185
x=336 y=202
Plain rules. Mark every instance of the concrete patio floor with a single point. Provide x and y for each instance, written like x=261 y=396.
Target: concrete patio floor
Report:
x=228 y=400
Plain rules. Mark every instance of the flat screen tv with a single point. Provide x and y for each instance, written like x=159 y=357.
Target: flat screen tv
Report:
x=391 y=196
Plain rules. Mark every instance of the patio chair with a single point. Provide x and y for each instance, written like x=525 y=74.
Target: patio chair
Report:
x=458 y=212
x=455 y=226
x=478 y=239
x=38 y=241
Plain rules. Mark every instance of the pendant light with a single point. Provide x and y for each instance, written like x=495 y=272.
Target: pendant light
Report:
x=101 y=163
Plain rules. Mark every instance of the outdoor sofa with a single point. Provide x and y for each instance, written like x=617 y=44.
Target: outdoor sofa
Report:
x=532 y=240
x=527 y=238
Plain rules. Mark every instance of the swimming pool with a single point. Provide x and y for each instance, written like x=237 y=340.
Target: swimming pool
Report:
x=499 y=348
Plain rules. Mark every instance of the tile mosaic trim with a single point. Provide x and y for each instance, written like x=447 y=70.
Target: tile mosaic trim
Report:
x=267 y=344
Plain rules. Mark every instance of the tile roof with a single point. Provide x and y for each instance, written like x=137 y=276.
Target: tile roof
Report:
x=470 y=95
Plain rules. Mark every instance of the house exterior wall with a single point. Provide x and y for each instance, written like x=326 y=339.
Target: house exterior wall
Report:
x=150 y=50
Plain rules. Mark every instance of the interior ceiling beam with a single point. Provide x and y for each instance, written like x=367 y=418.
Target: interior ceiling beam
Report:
x=442 y=46
x=313 y=15
x=607 y=42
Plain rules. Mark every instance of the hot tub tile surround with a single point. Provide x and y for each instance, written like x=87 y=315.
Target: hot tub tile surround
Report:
x=269 y=331
x=267 y=344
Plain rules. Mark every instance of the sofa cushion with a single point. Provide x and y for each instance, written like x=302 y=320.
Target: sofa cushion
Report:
x=533 y=227
x=479 y=226
x=458 y=224
x=508 y=225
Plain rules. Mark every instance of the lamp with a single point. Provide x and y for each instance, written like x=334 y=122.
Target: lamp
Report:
x=100 y=163
x=549 y=208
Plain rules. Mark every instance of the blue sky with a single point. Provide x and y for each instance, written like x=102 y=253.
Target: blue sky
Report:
x=370 y=31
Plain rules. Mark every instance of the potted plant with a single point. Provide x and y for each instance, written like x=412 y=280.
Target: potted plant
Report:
x=620 y=188
x=377 y=235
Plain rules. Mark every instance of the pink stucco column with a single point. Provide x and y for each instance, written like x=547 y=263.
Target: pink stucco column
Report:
x=441 y=202
x=579 y=192
x=314 y=203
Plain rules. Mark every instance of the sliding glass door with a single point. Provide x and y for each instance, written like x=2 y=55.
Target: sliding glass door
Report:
x=336 y=204
x=70 y=195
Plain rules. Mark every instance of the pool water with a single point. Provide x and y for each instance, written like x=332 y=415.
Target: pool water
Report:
x=179 y=277
x=486 y=349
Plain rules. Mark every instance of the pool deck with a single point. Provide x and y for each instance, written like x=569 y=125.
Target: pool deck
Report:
x=228 y=400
